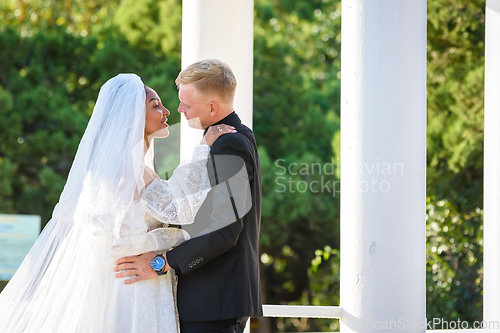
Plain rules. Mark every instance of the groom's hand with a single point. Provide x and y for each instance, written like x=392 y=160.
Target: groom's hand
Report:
x=137 y=266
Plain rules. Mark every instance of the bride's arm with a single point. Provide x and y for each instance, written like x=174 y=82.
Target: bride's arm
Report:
x=177 y=200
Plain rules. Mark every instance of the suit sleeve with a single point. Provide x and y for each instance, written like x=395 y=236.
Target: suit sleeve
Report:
x=231 y=200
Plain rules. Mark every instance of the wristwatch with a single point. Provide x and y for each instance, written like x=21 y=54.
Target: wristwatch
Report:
x=158 y=264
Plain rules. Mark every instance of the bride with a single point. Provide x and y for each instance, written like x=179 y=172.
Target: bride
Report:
x=66 y=283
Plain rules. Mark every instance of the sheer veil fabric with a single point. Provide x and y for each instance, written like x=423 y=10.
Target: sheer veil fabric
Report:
x=66 y=283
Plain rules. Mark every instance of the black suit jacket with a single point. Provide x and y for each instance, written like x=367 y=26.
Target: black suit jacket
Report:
x=218 y=271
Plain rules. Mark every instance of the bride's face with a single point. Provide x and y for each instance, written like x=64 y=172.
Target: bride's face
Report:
x=156 y=116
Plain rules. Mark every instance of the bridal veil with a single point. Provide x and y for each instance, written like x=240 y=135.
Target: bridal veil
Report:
x=66 y=283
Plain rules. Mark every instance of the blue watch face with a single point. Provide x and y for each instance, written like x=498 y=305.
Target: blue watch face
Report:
x=158 y=263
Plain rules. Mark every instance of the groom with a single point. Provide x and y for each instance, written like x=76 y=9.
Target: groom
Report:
x=218 y=268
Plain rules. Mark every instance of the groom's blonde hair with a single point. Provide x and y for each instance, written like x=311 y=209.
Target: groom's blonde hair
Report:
x=210 y=76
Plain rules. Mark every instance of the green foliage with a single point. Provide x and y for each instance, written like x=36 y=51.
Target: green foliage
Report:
x=151 y=24
x=296 y=114
x=455 y=95
x=454 y=262
x=76 y=17
x=296 y=85
x=295 y=221
x=39 y=127
x=323 y=290
x=324 y=276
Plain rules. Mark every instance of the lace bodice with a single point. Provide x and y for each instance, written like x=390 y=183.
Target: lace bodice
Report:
x=172 y=202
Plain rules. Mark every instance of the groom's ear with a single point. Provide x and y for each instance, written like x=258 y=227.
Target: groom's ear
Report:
x=213 y=108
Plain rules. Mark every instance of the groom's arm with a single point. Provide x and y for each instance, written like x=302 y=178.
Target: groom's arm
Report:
x=231 y=200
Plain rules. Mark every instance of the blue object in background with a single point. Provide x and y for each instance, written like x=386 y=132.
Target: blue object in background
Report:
x=18 y=233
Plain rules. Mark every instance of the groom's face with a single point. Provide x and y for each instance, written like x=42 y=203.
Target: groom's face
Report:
x=194 y=105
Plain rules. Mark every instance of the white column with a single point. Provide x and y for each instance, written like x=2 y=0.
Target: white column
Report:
x=383 y=165
x=221 y=29
x=491 y=263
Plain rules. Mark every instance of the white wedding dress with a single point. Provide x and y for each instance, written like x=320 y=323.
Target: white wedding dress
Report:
x=154 y=300
x=66 y=284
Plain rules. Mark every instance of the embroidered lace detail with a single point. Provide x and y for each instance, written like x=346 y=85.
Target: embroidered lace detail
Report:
x=177 y=200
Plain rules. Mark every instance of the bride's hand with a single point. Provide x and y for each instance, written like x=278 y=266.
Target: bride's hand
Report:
x=214 y=132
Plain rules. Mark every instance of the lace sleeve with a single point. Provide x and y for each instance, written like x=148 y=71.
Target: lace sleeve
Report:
x=157 y=240
x=177 y=200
